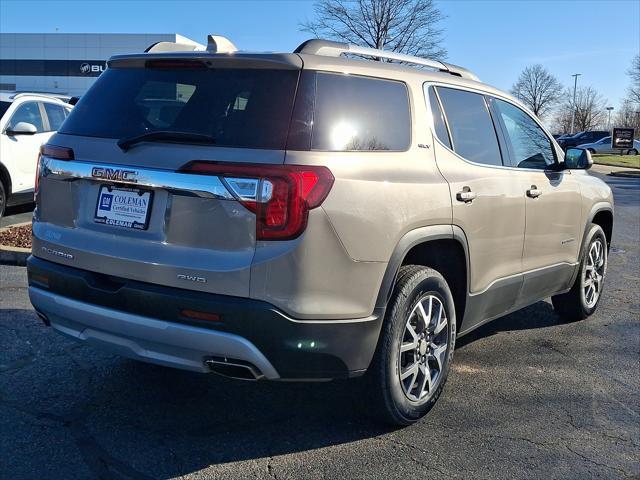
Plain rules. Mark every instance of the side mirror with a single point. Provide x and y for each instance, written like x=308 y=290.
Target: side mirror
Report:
x=577 y=159
x=22 y=128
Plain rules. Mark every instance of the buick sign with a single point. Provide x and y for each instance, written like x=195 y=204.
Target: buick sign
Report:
x=88 y=68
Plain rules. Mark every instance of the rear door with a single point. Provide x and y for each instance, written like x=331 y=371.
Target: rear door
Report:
x=553 y=203
x=133 y=211
x=487 y=200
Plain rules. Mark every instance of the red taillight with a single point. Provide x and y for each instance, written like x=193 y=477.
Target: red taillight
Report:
x=50 y=151
x=198 y=315
x=280 y=195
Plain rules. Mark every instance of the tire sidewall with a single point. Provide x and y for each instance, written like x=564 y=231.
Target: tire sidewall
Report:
x=595 y=233
x=3 y=199
x=428 y=284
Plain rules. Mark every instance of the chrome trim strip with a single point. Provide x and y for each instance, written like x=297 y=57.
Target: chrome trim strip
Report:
x=206 y=186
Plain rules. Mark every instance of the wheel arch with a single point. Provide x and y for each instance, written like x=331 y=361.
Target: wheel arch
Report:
x=441 y=247
x=6 y=179
x=601 y=214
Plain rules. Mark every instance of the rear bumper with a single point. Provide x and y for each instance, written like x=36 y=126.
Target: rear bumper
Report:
x=143 y=321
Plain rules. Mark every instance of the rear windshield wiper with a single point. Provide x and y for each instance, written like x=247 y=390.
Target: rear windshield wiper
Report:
x=160 y=135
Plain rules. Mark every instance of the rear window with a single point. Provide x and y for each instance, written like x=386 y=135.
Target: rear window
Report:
x=248 y=108
x=355 y=113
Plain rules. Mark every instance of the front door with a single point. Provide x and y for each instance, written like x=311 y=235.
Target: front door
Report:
x=22 y=150
x=553 y=204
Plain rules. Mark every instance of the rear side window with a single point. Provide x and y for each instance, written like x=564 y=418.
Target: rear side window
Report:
x=472 y=131
x=438 y=118
x=530 y=147
x=249 y=108
x=56 y=115
x=354 y=113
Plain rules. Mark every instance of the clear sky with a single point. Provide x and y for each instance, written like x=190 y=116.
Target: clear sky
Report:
x=496 y=39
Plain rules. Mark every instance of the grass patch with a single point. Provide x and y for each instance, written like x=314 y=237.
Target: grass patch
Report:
x=631 y=161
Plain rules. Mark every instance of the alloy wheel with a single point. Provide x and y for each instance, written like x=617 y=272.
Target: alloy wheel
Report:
x=423 y=349
x=593 y=276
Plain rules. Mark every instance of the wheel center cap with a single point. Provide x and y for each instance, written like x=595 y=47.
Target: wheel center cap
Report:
x=422 y=348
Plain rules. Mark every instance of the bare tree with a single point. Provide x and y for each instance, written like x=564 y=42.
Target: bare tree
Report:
x=405 y=26
x=537 y=89
x=628 y=116
x=589 y=109
x=634 y=73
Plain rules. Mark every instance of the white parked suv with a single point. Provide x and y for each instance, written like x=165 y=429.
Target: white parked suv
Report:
x=27 y=120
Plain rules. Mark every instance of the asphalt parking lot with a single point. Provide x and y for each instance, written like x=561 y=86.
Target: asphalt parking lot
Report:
x=528 y=398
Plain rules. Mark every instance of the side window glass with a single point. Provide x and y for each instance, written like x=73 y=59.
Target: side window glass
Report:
x=28 y=112
x=56 y=115
x=438 y=118
x=354 y=113
x=472 y=131
x=530 y=146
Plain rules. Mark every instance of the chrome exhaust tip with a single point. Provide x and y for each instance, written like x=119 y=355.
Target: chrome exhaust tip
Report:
x=233 y=368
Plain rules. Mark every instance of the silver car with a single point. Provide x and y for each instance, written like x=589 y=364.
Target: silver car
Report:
x=604 y=146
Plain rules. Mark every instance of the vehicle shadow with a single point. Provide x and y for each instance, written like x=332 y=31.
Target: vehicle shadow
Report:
x=145 y=421
x=16 y=209
x=538 y=315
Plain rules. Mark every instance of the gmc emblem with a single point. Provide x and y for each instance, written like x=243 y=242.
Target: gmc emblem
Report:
x=114 y=174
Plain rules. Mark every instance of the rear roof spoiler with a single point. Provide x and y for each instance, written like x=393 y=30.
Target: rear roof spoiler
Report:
x=215 y=44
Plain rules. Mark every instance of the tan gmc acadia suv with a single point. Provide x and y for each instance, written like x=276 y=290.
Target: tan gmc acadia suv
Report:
x=306 y=216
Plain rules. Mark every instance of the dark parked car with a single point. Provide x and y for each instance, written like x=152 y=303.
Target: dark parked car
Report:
x=583 y=137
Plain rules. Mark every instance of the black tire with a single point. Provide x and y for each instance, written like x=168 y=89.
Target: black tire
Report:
x=3 y=198
x=592 y=151
x=574 y=305
x=633 y=151
x=390 y=400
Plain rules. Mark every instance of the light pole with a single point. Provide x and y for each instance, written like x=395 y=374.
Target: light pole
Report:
x=573 y=113
x=609 y=120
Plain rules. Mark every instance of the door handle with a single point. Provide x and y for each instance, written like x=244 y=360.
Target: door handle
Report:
x=533 y=192
x=466 y=195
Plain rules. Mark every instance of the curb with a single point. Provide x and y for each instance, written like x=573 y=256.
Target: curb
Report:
x=626 y=174
x=14 y=256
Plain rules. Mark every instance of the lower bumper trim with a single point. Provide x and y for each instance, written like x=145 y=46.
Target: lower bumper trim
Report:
x=155 y=341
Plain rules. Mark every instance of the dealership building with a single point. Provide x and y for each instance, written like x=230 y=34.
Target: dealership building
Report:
x=65 y=63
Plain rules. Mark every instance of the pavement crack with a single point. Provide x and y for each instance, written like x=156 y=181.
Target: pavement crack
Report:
x=400 y=443
x=593 y=462
x=270 y=469
x=17 y=364
x=99 y=462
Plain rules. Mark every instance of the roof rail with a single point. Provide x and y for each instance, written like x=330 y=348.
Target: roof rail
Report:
x=335 y=49
x=51 y=96
x=215 y=44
